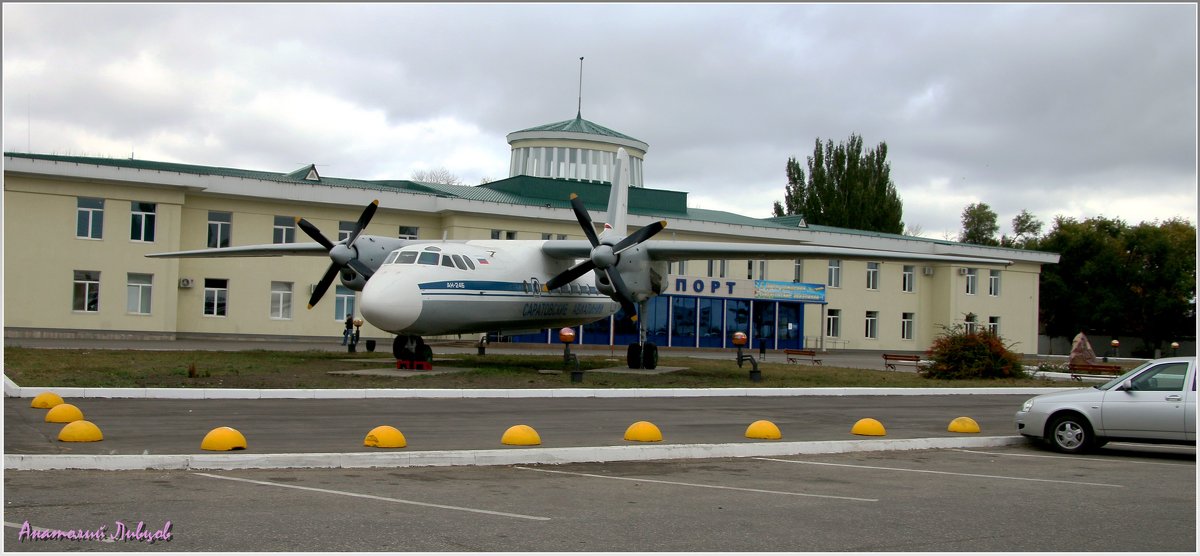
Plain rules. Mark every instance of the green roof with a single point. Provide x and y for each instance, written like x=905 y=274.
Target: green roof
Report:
x=580 y=125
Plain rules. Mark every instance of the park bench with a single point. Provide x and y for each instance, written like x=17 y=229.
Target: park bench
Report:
x=1081 y=370
x=890 y=360
x=794 y=355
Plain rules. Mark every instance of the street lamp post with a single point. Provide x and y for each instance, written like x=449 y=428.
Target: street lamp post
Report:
x=1174 y=349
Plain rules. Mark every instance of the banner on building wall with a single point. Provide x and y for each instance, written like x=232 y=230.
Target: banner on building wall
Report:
x=745 y=289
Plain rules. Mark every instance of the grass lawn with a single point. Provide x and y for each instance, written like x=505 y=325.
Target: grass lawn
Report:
x=310 y=369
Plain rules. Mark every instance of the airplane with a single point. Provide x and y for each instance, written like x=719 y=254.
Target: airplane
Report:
x=420 y=288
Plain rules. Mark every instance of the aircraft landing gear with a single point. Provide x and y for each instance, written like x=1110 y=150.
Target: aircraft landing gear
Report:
x=412 y=353
x=642 y=355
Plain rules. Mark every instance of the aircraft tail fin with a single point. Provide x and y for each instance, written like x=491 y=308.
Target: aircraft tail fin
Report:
x=618 y=197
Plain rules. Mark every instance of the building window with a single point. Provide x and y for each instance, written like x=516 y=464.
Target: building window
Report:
x=562 y=236
x=138 y=287
x=141 y=221
x=994 y=283
x=343 y=305
x=835 y=274
x=994 y=325
x=906 y=326
x=285 y=230
x=220 y=227
x=908 y=279
x=86 y=292
x=546 y=236
x=872 y=276
x=972 y=324
x=408 y=232
x=281 y=300
x=345 y=227
x=798 y=271
x=495 y=234
x=216 y=297
x=717 y=269
x=833 y=323
x=971 y=281
x=89 y=218
x=510 y=235
x=872 y=325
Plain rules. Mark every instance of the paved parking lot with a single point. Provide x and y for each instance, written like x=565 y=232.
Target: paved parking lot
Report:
x=1015 y=498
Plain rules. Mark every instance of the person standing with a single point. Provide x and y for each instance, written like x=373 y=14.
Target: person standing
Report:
x=349 y=329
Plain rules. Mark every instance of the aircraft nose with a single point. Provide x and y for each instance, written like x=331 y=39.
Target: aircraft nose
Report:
x=390 y=302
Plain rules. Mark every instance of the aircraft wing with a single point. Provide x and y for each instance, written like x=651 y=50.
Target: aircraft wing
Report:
x=267 y=250
x=696 y=250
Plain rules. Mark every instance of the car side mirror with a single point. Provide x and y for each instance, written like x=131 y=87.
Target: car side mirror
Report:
x=1126 y=385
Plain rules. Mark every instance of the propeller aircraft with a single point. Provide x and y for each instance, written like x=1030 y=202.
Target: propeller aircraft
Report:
x=421 y=288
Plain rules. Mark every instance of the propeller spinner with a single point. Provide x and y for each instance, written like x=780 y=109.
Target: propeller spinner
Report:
x=604 y=257
x=343 y=254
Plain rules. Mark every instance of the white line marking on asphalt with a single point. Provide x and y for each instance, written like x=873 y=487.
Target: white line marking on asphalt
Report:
x=373 y=497
x=930 y=471
x=106 y=539
x=700 y=485
x=1072 y=458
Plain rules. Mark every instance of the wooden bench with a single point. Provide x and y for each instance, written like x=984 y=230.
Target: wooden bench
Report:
x=1080 y=370
x=890 y=360
x=794 y=355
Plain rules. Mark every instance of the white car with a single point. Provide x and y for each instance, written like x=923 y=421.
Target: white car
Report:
x=1155 y=402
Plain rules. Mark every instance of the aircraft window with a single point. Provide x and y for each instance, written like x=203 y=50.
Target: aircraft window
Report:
x=574 y=288
x=447 y=261
x=428 y=258
x=432 y=248
x=469 y=262
x=458 y=260
x=407 y=257
x=392 y=257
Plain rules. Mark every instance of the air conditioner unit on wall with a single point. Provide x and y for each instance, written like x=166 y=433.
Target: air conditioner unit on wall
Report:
x=186 y=282
x=962 y=272
x=928 y=271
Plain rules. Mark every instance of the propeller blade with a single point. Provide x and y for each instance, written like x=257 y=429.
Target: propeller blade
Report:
x=323 y=285
x=623 y=296
x=360 y=268
x=639 y=236
x=314 y=233
x=569 y=275
x=585 y=221
x=363 y=220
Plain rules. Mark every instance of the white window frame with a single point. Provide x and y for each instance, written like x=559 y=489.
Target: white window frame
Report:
x=871 y=325
x=343 y=299
x=216 y=297
x=345 y=227
x=833 y=323
x=142 y=221
x=408 y=232
x=908 y=279
x=994 y=283
x=873 y=276
x=139 y=289
x=223 y=229
x=281 y=300
x=906 y=325
x=798 y=270
x=972 y=281
x=85 y=291
x=94 y=226
x=833 y=277
x=283 y=233
x=994 y=325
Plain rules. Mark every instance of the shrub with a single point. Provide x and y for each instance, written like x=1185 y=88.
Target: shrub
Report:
x=956 y=354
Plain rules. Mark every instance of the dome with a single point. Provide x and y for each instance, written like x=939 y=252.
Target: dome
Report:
x=573 y=149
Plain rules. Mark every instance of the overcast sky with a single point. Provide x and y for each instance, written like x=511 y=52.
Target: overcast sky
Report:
x=1075 y=110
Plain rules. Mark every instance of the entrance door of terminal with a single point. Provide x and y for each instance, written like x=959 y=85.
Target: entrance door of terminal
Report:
x=790 y=326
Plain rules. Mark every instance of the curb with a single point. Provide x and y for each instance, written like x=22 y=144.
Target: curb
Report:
x=516 y=456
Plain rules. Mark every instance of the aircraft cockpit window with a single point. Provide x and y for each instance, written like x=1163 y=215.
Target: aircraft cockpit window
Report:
x=458 y=261
x=469 y=262
x=407 y=257
x=432 y=248
x=391 y=258
x=428 y=257
x=447 y=261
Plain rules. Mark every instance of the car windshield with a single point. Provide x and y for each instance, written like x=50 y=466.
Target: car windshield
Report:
x=1114 y=382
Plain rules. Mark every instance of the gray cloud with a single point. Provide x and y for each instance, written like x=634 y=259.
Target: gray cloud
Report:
x=1021 y=106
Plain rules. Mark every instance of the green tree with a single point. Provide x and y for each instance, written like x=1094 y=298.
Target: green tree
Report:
x=1026 y=230
x=1116 y=279
x=979 y=225
x=844 y=188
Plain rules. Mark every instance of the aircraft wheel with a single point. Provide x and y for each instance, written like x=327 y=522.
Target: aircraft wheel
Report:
x=649 y=356
x=634 y=356
x=424 y=353
x=400 y=348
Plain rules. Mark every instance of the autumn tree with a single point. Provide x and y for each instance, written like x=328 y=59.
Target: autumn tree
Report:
x=438 y=175
x=844 y=187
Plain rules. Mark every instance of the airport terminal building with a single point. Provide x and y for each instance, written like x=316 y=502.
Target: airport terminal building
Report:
x=77 y=229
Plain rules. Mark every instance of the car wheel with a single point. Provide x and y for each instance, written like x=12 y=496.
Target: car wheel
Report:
x=1071 y=434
